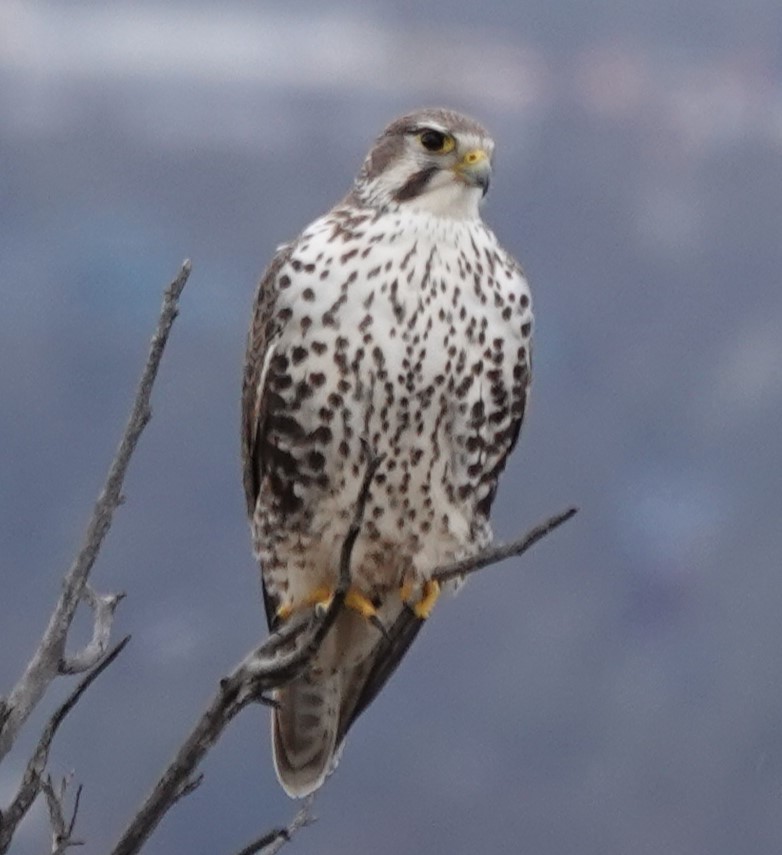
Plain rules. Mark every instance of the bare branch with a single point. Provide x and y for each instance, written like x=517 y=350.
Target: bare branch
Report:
x=495 y=554
x=274 y=840
x=62 y=831
x=33 y=775
x=277 y=661
x=282 y=656
x=103 y=607
x=46 y=661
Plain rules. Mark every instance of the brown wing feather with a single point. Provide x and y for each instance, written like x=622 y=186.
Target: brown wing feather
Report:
x=255 y=398
x=368 y=679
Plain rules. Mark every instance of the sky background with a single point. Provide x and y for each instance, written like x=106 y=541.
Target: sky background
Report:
x=616 y=690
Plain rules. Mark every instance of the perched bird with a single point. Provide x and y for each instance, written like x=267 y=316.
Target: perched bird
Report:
x=394 y=323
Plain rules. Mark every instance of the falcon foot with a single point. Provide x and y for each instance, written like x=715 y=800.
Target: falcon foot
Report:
x=430 y=593
x=321 y=599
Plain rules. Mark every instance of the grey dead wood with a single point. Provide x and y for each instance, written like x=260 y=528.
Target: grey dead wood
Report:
x=271 y=842
x=103 y=607
x=33 y=778
x=49 y=659
x=279 y=659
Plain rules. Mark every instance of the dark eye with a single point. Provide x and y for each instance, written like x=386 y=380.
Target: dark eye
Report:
x=433 y=140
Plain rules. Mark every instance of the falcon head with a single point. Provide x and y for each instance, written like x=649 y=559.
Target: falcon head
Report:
x=431 y=160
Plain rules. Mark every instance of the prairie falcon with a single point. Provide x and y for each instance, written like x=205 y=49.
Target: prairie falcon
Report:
x=395 y=322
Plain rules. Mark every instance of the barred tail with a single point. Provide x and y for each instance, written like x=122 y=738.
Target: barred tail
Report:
x=304 y=732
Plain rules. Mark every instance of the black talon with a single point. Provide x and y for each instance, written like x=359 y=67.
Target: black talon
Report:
x=379 y=626
x=410 y=607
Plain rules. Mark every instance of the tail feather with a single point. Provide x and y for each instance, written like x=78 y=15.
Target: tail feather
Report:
x=316 y=710
x=304 y=732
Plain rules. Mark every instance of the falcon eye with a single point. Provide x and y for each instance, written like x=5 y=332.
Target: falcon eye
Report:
x=436 y=141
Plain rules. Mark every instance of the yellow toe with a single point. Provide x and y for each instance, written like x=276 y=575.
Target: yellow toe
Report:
x=284 y=611
x=320 y=598
x=360 y=603
x=431 y=593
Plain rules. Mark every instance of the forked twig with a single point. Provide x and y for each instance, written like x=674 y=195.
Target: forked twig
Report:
x=271 y=842
x=49 y=660
x=32 y=778
x=62 y=829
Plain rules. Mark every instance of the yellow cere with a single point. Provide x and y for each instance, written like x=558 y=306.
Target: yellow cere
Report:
x=474 y=156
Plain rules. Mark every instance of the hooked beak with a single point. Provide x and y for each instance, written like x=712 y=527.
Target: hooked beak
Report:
x=475 y=169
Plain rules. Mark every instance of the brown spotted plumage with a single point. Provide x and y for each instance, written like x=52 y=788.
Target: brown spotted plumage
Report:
x=394 y=322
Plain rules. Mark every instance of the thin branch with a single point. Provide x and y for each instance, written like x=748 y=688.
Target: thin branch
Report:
x=271 y=842
x=172 y=784
x=33 y=775
x=282 y=656
x=45 y=663
x=495 y=554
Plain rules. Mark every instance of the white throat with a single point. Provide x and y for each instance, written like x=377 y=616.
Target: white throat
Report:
x=454 y=199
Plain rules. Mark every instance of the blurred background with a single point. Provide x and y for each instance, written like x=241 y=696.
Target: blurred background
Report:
x=616 y=690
